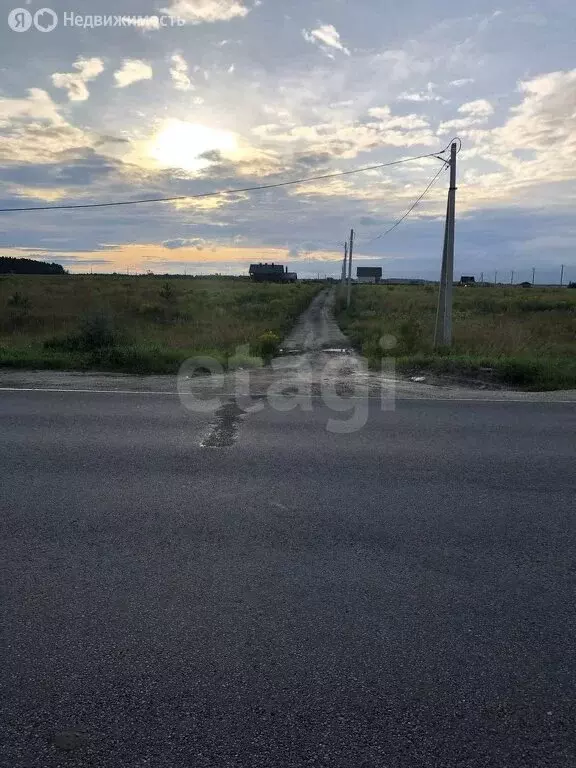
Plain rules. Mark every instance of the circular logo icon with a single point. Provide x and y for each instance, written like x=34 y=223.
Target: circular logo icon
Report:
x=45 y=20
x=19 y=20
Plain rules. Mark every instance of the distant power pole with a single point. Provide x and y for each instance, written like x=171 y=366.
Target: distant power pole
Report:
x=350 y=252
x=562 y=276
x=495 y=277
x=481 y=277
x=512 y=277
x=344 y=263
x=533 y=274
x=443 y=330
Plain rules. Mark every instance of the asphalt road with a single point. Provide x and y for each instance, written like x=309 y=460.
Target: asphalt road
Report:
x=398 y=597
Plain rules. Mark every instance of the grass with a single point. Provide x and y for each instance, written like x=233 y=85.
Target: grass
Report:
x=141 y=324
x=521 y=337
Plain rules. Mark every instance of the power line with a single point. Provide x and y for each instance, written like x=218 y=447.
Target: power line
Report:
x=409 y=211
x=221 y=192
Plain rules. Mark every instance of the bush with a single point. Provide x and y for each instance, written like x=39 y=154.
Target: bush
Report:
x=268 y=345
x=167 y=292
x=96 y=332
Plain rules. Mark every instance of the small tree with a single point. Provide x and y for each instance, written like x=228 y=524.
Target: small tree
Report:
x=167 y=292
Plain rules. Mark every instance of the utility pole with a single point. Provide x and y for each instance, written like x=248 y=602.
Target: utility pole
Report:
x=533 y=274
x=495 y=277
x=481 y=277
x=344 y=263
x=562 y=276
x=512 y=277
x=443 y=331
x=350 y=252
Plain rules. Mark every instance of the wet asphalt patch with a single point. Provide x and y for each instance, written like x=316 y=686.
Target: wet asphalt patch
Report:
x=223 y=431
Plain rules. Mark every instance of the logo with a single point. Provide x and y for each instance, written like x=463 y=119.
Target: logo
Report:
x=45 y=20
x=19 y=20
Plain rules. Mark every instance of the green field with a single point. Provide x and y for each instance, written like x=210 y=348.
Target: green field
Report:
x=521 y=337
x=140 y=324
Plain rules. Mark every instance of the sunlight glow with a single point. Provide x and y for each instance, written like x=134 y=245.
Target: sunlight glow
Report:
x=179 y=144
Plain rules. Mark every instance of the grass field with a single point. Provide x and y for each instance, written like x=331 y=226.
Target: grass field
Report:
x=523 y=337
x=139 y=324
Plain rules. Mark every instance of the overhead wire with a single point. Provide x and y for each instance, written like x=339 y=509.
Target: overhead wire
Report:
x=219 y=193
x=411 y=208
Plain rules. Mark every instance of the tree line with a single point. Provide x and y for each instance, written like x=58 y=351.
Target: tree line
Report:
x=12 y=266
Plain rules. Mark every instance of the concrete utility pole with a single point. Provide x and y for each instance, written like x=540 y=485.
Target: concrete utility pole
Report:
x=344 y=263
x=495 y=277
x=533 y=274
x=512 y=277
x=443 y=331
x=350 y=252
x=481 y=277
x=562 y=276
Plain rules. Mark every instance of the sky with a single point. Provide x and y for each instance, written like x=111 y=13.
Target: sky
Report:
x=209 y=95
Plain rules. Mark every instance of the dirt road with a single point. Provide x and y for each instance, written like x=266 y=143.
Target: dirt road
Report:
x=316 y=328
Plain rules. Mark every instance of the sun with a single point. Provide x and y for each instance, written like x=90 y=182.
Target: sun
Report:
x=179 y=144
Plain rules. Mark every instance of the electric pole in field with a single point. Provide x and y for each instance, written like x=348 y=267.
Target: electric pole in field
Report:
x=512 y=277
x=344 y=263
x=495 y=277
x=533 y=274
x=481 y=277
x=350 y=252
x=562 y=276
x=443 y=330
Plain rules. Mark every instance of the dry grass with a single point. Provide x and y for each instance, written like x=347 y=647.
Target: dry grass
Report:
x=137 y=324
x=526 y=336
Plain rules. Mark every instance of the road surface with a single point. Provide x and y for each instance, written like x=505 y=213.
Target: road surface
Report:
x=401 y=596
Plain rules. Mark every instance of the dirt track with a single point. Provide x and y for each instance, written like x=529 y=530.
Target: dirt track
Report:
x=316 y=328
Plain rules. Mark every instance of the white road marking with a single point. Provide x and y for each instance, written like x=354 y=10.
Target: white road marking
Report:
x=399 y=396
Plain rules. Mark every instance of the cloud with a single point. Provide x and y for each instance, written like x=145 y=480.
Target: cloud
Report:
x=461 y=82
x=478 y=108
x=132 y=71
x=427 y=95
x=37 y=106
x=199 y=11
x=34 y=131
x=185 y=242
x=477 y=112
x=179 y=73
x=347 y=140
x=460 y=124
x=75 y=82
x=326 y=36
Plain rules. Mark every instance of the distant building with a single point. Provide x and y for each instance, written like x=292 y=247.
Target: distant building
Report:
x=369 y=274
x=271 y=273
x=525 y=284
x=467 y=280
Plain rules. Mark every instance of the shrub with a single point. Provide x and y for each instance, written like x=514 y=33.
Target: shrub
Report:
x=96 y=332
x=167 y=292
x=19 y=301
x=268 y=345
